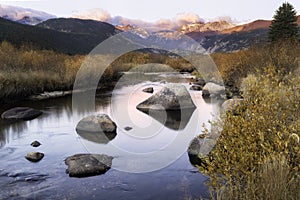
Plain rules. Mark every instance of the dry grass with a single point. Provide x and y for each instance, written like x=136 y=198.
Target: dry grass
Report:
x=24 y=71
x=233 y=67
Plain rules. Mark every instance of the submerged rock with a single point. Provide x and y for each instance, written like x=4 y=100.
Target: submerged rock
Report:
x=35 y=143
x=20 y=176
x=96 y=123
x=34 y=156
x=21 y=113
x=171 y=97
x=83 y=165
x=148 y=90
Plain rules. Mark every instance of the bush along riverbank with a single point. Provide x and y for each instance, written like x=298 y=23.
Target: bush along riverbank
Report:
x=27 y=71
x=257 y=155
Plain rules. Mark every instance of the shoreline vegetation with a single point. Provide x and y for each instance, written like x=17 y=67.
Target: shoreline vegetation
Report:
x=256 y=155
x=27 y=71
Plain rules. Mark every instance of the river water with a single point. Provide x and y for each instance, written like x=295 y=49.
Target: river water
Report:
x=150 y=161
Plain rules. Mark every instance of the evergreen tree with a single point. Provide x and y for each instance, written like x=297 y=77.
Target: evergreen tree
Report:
x=284 y=24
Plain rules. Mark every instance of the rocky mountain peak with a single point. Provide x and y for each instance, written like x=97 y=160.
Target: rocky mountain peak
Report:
x=216 y=26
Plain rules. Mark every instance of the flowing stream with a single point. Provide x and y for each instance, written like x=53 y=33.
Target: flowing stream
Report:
x=157 y=175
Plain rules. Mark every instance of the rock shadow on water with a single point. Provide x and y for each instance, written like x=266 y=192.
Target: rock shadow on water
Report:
x=173 y=119
x=100 y=138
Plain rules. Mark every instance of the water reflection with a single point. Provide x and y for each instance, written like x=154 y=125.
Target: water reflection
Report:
x=53 y=109
x=175 y=120
x=100 y=138
x=7 y=127
x=55 y=129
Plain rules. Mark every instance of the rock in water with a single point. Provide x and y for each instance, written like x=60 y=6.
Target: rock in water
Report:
x=34 y=156
x=200 y=81
x=196 y=87
x=21 y=113
x=171 y=97
x=35 y=143
x=96 y=123
x=127 y=128
x=194 y=147
x=194 y=152
x=83 y=165
x=148 y=90
x=212 y=90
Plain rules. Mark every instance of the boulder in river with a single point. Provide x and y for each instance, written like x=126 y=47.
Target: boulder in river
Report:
x=21 y=113
x=97 y=128
x=83 y=165
x=205 y=94
x=212 y=90
x=35 y=143
x=96 y=123
x=199 y=150
x=200 y=81
x=34 y=156
x=196 y=87
x=194 y=152
x=171 y=97
x=148 y=90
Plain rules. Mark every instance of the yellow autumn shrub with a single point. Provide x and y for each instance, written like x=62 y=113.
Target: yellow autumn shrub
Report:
x=264 y=129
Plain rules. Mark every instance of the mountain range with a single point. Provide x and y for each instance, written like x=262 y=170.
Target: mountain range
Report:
x=77 y=36
x=24 y=15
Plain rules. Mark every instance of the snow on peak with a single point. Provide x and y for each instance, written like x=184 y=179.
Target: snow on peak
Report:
x=23 y=15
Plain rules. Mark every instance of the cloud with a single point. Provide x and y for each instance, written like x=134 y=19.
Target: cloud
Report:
x=225 y=18
x=185 y=18
x=94 y=14
x=162 y=24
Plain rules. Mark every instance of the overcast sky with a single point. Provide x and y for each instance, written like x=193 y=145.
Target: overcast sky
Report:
x=153 y=10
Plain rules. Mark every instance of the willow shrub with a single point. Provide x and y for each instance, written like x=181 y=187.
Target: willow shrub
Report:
x=264 y=129
x=25 y=71
x=233 y=67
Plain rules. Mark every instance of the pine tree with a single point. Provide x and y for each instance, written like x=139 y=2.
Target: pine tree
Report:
x=284 y=24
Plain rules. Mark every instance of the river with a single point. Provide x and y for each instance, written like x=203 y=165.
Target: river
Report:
x=156 y=177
